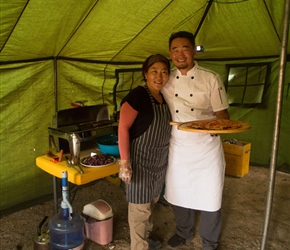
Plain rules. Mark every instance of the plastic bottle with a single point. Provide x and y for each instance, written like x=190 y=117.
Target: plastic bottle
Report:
x=66 y=229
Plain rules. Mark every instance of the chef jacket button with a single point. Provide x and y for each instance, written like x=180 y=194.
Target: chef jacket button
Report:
x=176 y=94
x=192 y=109
x=177 y=77
x=176 y=111
x=190 y=94
x=192 y=77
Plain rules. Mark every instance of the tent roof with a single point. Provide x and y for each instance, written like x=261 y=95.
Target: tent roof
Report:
x=127 y=31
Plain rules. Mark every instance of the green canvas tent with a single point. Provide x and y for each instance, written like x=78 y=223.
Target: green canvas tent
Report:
x=53 y=53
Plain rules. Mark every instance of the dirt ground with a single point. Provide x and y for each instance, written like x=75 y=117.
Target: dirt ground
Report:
x=244 y=206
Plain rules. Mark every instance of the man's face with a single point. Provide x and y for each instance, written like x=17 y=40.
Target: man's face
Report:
x=182 y=54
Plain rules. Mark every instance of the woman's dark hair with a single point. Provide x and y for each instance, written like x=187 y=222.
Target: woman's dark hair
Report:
x=153 y=59
x=182 y=34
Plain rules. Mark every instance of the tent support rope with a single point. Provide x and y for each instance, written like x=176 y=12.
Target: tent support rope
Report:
x=273 y=163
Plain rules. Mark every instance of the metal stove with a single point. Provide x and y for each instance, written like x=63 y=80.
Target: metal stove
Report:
x=77 y=129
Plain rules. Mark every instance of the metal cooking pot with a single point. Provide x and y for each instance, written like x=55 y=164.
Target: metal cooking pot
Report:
x=41 y=239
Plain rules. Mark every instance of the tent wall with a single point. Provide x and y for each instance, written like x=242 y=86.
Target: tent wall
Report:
x=27 y=94
x=30 y=95
x=262 y=116
x=262 y=120
x=28 y=98
x=53 y=53
x=117 y=30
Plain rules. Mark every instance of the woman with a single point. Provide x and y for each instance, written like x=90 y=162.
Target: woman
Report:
x=143 y=135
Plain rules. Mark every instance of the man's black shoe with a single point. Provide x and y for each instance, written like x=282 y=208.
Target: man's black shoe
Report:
x=176 y=241
x=153 y=243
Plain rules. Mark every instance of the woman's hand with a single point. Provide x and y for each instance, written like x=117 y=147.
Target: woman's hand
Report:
x=125 y=171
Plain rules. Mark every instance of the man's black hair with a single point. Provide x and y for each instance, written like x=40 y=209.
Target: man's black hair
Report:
x=182 y=34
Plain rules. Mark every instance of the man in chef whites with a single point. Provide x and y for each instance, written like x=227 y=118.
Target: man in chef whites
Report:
x=195 y=174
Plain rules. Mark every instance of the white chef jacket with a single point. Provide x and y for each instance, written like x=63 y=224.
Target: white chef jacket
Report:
x=195 y=174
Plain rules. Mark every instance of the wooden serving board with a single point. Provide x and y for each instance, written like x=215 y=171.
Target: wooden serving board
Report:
x=186 y=126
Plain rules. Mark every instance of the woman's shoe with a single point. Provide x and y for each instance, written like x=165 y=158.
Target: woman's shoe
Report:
x=153 y=243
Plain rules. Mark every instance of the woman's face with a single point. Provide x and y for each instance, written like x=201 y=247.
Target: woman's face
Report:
x=156 y=76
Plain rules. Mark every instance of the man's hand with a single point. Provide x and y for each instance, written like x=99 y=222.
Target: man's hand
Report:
x=222 y=114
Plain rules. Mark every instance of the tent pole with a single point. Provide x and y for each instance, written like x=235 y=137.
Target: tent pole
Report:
x=55 y=85
x=283 y=57
x=54 y=179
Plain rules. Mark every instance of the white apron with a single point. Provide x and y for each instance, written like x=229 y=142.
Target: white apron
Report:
x=195 y=173
x=196 y=167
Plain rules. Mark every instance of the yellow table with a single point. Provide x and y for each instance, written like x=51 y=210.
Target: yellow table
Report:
x=89 y=175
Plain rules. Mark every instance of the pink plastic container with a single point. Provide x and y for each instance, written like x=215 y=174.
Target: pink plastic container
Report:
x=99 y=223
x=100 y=232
